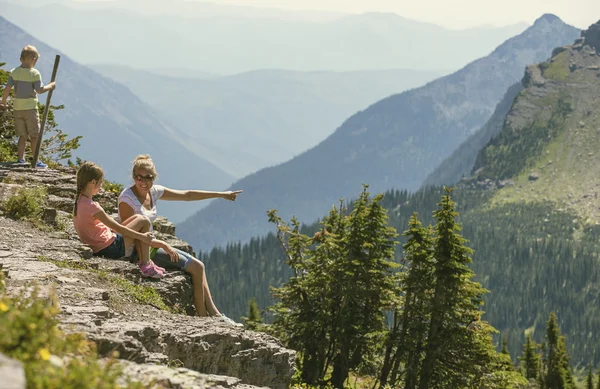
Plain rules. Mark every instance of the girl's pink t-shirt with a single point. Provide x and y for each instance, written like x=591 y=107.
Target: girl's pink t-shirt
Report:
x=91 y=231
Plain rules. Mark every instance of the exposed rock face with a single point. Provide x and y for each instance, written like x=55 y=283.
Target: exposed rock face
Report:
x=179 y=378
x=208 y=346
x=93 y=303
x=11 y=373
x=591 y=36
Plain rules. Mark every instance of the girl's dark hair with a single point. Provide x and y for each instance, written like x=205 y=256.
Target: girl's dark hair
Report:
x=87 y=172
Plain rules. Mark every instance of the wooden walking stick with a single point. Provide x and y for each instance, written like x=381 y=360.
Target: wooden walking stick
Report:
x=36 y=153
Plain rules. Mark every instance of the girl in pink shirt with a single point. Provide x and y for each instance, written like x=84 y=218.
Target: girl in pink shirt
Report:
x=102 y=233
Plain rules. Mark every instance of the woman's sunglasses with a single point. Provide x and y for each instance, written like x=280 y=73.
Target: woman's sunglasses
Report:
x=144 y=178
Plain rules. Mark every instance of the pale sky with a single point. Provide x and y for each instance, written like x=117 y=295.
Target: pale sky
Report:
x=450 y=13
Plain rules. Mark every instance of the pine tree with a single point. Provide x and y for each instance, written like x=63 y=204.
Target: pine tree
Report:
x=558 y=374
x=589 y=384
x=459 y=352
x=531 y=359
x=301 y=313
x=407 y=337
x=254 y=320
x=504 y=346
x=367 y=285
x=331 y=310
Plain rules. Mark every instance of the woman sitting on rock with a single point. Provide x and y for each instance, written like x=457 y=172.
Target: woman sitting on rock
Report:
x=141 y=199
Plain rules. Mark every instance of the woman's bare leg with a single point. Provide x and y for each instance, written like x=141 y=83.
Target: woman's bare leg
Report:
x=196 y=270
x=210 y=304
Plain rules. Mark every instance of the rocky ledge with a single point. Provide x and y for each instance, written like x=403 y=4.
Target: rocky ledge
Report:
x=207 y=351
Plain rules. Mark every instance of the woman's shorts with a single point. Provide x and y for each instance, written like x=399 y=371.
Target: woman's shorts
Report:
x=162 y=259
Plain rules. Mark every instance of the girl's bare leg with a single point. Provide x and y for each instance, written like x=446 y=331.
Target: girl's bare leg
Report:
x=138 y=223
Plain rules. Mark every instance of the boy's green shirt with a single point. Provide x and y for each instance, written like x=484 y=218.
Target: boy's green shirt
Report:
x=26 y=82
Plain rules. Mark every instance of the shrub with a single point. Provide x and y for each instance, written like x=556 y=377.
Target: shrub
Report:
x=51 y=358
x=112 y=187
x=27 y=203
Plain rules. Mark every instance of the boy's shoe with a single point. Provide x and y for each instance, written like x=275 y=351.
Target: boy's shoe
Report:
x=160 y=269
x=149 y=271
x=231 y=322
x=21 y=161
x=41 y=165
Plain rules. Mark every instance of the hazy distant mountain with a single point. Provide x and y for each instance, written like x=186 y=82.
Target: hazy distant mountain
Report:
x=115 y=124
x=188 y=9
x=395 y=143
x=228 y=44
x=170 y=72
x=249 y=121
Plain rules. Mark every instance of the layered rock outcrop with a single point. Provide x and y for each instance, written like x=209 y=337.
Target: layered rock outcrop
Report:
x=591 y=36
x=94 y=300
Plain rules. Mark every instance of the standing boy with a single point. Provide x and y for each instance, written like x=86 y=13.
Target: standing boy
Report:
x=27 y=82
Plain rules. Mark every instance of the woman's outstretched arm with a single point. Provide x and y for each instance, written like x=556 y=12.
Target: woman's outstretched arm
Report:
x=195 y=195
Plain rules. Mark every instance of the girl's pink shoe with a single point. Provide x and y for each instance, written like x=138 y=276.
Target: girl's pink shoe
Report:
x=149 y=271
x=160 y=269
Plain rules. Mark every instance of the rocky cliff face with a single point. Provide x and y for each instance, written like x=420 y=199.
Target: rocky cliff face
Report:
x=547 y=148
x=104 y=300
x=591 y=36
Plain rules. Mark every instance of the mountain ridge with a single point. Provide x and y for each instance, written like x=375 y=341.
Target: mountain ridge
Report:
x=260 y=118
x=349 y=44
x=114 y=129
x=394 y=143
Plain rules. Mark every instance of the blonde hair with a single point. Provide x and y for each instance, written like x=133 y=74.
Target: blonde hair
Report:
x=143 y=162
x=29 y=52
x=87 y=172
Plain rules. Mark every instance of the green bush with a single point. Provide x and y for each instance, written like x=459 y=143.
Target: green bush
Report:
x=51 y=358
x=27 y=203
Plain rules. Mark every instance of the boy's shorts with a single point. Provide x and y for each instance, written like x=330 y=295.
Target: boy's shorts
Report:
x=27 y=122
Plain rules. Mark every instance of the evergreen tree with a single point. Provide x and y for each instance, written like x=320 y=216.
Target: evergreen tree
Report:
x=254 y=321
x=331 y=310
x=459 y=352
x=589 y=384
x=301 y=319
x=504 y=346
x=531 y=359
x=598 y=387
x=558 y=374
x=407 y=337
x=456 y=304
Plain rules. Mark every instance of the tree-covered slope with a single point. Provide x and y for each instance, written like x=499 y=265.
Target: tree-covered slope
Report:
x=529 y=212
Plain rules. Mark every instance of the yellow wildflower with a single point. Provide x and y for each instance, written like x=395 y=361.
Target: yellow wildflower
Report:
x=3 y=307
x=44 y=354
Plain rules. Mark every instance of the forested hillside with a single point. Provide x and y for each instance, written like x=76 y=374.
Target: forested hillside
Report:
x=530 y=213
